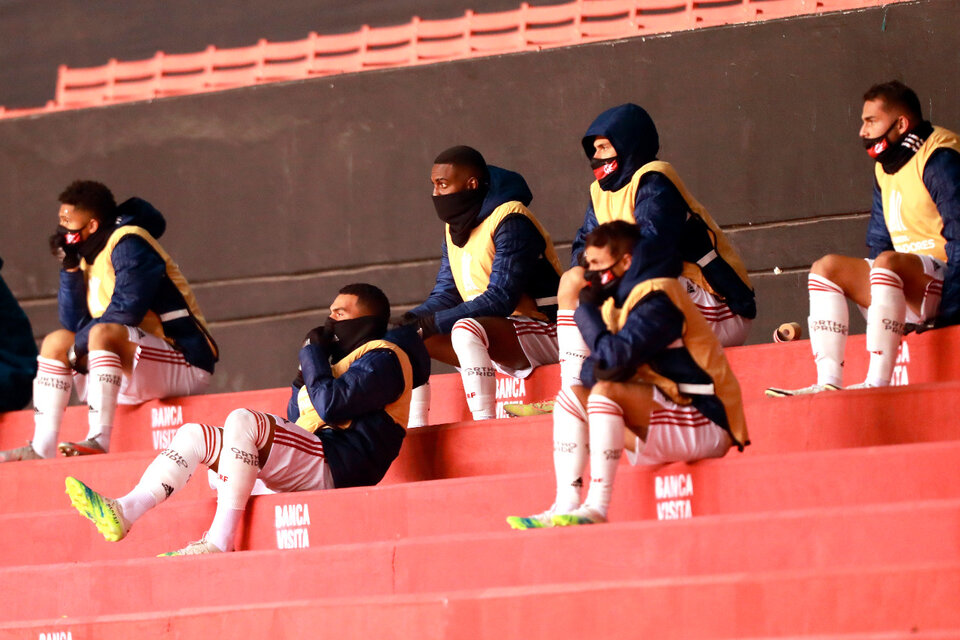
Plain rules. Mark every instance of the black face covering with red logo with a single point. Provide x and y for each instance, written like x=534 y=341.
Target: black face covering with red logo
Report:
x=893 y=155
x=606 y=171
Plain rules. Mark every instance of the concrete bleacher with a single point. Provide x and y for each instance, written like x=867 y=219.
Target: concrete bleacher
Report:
x=840 y=520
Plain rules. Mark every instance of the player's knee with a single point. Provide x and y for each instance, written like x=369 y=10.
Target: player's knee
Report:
x=240 y=424
x=107 y=336
x=188 y=437
x=568 y=293
x=468 y=333
x=892 y=260
x=829 y=266
x=56 y=344
x=606 y=389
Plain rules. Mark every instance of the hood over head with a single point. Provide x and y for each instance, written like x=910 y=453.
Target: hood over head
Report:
x=633 y=135
x=409 y=340
x=651 y=259
x=140 y=213
x=505 y=186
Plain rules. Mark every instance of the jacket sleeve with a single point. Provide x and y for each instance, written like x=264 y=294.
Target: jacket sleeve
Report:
x=293 y=407
x=72 y=301
x=139 y=270
x=589 y=224
x=652 y=324
x=372 y=382
x=518 y=246
x=444 y=294
x=660 y=211
x=878 y=237
x=941 y=177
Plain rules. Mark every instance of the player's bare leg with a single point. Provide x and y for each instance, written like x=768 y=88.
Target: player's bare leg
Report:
x=573 y=350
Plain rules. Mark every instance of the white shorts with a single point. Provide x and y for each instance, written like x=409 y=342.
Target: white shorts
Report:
x=932 y=268
x=731 y=330
x=538 y=339
x=296 y=461
x=679 y=433
x=159 y=371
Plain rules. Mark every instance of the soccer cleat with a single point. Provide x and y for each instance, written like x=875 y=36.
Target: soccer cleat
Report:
x=88 y=447
x=105 y=513
x=862 y=385
x=520 y=410
x=582 y=515
x=197 y=548
x=536 y=521
x=773 y=392
x=26 y=452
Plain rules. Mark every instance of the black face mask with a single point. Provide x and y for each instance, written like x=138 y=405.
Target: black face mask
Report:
x=350 y=334
x=893 y=155
x=460 y=210
x=71 y=237
x=605 y=170
x=602 y=282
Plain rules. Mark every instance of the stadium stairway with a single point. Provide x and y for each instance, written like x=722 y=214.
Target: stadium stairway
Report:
x=841 y=520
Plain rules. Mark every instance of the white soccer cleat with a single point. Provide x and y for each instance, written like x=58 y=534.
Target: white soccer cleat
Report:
x=200 y=547
x=862 y=385
x=26 y=452
x=774 y=392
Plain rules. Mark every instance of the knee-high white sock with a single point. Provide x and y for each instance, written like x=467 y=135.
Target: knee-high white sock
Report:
x=573 y=350
x=103 y=387
x=829 y=322
x=244 y=433
x=419 y=406
x=470 y=342
x=51 y=395
x=193 y=444
x=606 y=447
x=931 y=300
x=570 y=449
x=885 y=317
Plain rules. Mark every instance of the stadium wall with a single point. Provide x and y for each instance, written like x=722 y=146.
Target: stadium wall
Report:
x=277 y=195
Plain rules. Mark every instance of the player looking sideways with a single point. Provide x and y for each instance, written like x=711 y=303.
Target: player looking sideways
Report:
x=633 y=186
x=132 y=329
x=494 y=302
x=655 y=368
x=344 y=427
x=913 y=239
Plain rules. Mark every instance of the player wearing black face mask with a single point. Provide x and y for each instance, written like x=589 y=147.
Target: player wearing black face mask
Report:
x=494 y=303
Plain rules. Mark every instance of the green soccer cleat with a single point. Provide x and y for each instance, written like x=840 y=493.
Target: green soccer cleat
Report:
x=105 y=513
x=536 y=521
x=520 y=410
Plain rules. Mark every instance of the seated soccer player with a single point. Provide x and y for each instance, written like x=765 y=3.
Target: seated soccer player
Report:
x=494 y=303
x=132 y=329
x=914 y=241
x=18 y=352
x=633 y=186
x=655 y=369
x=345 y=424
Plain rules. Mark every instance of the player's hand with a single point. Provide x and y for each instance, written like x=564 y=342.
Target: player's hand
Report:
x=592 y=295
x=321 y=336
x=428 y=326
x=407 y=319
x=299 y=381
x=67 y=254
x=78 y=361
x=613 y=374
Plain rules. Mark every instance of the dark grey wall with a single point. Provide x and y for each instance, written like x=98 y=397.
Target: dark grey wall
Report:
x=276 y=195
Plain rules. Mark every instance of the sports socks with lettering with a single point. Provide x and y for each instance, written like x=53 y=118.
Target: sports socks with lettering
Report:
x=51 y=395
x=419 y=406
x=103 y=387
x=606 y=447
x=573 y=350
x=470 y=342
x=885 y=318
x=570 y=449
x=828 y=323
x=193 y=444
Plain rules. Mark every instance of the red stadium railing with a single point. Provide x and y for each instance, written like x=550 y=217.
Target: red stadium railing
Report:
x=416 y=42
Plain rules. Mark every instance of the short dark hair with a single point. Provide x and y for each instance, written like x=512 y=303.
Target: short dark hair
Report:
x=466 y=157
x=371 y=298
x=91 y=196
x=896 y=94
x=619 y=236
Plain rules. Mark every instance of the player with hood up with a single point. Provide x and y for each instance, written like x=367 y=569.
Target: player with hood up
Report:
x=132 y=328
x=494 y=303
x=634 y=186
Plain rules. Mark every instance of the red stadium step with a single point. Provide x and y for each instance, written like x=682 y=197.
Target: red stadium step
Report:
x=893 y=602
x=815 y=539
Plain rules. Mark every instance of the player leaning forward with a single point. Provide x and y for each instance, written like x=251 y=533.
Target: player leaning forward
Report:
x=656 y=370
x=913 y=239
x=346 y=419
x=132 y=328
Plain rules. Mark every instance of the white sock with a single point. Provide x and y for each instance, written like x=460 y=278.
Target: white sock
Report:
x=470 y=342
x=244 y=433
x=191 y=445
x=885 y=317
x=828 y=323
x=103 y=387
x=931 y=300
x=51 y=395
x=606 y=447
x=419 y=406
x=573 y=350
x=570 y=450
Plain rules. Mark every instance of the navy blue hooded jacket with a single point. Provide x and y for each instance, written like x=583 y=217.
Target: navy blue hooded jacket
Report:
x=141 y=285
x=941 y=177
x=360 y=454
x=518 y=266
x=18 y=353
